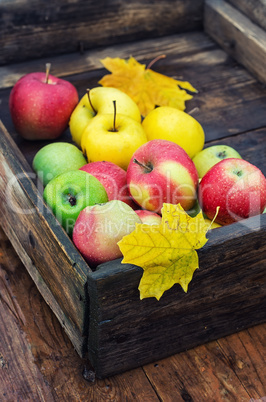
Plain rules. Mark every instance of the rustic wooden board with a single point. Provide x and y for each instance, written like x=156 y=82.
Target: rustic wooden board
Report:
x=238 y=35
x=123 y=332
x=218 y=371
x=37 y=360
x=232 y=266
x=253 y=9
x=133 y=332
x=38 y=363
x=188 y=44
x=45 y=249
x=226 y=91
x=29 y=30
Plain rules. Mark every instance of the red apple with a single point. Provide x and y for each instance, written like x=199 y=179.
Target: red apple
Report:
x=113 y=178
x=41 y=110
x=160 y=171
x=237 y=187
x=99 y=228
x=148 y=217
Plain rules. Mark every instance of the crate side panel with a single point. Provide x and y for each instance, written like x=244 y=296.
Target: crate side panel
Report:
x=238 y=35
x=73 y=332
x=29 y=31
x=177 y=46
x=253 y=9
x=41 y=242
x=226 y=295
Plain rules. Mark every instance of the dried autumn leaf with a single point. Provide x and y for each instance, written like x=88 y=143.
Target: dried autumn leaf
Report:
x=166 y=252
x=145 y=86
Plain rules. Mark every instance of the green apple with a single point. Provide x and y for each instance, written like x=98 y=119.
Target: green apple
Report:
x=208 y=157
x=56 y=158
x=97 y=101
x=99 y=228
x=69 y=193
x=112 y=138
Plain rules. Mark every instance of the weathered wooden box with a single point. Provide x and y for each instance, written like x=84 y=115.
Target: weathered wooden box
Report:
x=220 y=47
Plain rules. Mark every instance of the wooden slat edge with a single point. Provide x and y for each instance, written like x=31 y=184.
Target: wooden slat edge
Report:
x=216 y=238
x=28 y=31
x=61 y=278
x=253 y=9
x=238 y=35
x=75 y=63
x=226 y=295
x=72 y=332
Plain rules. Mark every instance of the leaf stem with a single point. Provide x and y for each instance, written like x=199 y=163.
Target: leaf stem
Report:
x=162 y=56
x=215 y=216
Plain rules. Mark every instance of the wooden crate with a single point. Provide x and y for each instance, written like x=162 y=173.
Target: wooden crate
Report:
x=210 y=45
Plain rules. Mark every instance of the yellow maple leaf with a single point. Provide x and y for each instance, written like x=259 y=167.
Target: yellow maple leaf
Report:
x=166 y=252
x=145 y=86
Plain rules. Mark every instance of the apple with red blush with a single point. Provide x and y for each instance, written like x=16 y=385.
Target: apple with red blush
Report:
x=41 y=104
x=149 y=217
x=113 y=178
x=159 y=172
x=237 y=187
x=99 y=228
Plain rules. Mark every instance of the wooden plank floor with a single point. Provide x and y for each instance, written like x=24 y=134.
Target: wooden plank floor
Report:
x=38 y=362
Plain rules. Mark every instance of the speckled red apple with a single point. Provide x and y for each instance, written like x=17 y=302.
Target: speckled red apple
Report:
x=237 y=187
x=40 y=109
x=99 y=228
x=160 y=171
x=149 y=217
x=113 y=178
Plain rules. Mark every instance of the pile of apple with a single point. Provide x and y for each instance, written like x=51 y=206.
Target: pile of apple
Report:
x=121 y=168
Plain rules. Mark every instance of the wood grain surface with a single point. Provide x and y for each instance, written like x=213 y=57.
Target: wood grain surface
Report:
x=230 y=105
x=253 y=9
x=226 y=91
x=242 y=38
x=227 y=294
x=34 y=232
x=34 y=29
x=38 y=362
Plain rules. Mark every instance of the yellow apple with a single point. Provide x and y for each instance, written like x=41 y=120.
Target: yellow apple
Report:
x=112 y=139
x=99 y=101
x=168 y=123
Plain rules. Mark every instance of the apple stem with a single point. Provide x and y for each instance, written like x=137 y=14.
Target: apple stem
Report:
x=162 y=56
x=48 y=68
x=148 y=168
x=114 y=128
x=88 y=93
